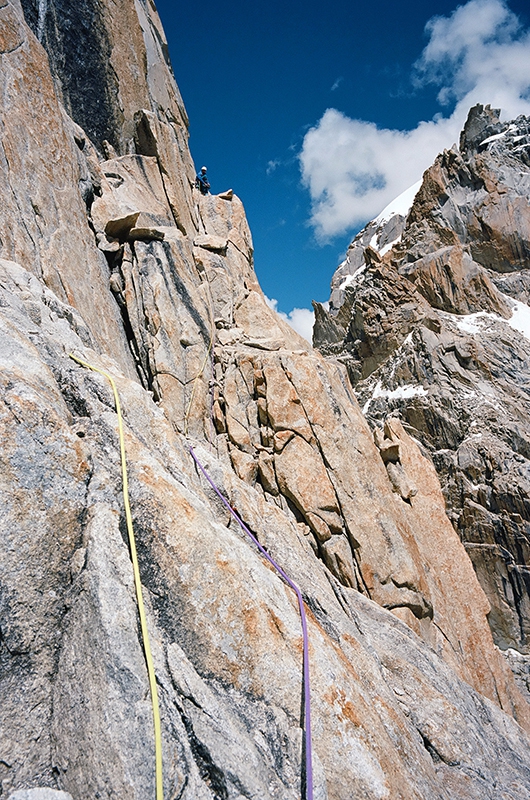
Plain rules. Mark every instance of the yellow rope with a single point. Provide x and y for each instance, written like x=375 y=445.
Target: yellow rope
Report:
x=138 y=586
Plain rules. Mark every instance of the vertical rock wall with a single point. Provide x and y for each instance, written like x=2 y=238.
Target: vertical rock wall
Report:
x=109 y=253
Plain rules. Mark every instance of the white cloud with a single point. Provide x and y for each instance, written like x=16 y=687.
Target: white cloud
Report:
x=301 y=319
x=352 y=168
x=479 y=50
x=272 y=165
x=337 y=84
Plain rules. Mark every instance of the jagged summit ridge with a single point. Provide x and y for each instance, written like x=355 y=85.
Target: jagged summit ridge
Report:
x=380 y=235
x=483 y=132
x=109 y=253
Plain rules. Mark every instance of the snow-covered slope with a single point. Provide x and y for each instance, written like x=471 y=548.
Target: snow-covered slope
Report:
x=381 y=234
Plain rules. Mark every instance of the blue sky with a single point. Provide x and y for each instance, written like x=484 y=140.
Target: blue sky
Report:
x=318 y=114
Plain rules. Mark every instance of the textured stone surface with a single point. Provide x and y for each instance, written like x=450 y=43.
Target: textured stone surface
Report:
x=410 y=697
x=225 y=630
x=458 y=382
x=40 y=794
x=43 y=221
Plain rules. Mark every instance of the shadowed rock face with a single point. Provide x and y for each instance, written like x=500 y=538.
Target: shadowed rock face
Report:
x=121 y=262
x=108 y=61
x=429 y=334
x=78 y=44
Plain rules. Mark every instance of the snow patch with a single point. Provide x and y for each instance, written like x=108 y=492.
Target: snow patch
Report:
x=493 y=138
x=515 y=654
x=389 y=246
x=498 y=136
x=470 y=323
x=401 y=393
x=346 y=282
x=520 y=319
x=401 y=205
x=350 y=278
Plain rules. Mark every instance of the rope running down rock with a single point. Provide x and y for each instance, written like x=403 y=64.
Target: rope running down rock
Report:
x=138 y=586
x=294 y=587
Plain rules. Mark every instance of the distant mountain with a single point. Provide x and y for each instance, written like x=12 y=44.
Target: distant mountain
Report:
x=430 y=314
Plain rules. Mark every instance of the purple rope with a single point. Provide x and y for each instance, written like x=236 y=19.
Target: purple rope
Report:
x=212 y=385
x=294 y=587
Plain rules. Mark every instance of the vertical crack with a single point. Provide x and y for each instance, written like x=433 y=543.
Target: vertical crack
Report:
x=43 y=8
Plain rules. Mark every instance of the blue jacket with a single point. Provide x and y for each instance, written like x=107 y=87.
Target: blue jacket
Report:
x=202 y=182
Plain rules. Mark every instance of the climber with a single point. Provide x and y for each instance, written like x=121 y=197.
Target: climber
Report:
x=201 y=181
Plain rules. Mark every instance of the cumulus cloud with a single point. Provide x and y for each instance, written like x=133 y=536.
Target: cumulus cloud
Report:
x=352 y=168
x=479 y=50
x=301 y=319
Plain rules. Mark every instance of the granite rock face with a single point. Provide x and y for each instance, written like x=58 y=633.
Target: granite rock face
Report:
x=124 y=265
x=40 y=794
x=434 y=331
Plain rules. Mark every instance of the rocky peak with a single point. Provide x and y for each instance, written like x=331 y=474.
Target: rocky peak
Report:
x=482 y=122
x=436 y=334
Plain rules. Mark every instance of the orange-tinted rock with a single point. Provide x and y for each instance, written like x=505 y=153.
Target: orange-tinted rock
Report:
x=451 y=281
x=279 y=431
x=42 y=215
x=453 y=366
